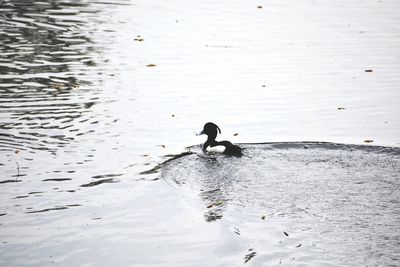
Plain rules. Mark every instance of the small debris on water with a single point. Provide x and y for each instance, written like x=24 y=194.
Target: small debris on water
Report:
x=151 y=65
x=368 y=70
x=263 y=217
x=368 y=141
x=259 y=7
x=235 y=134
x=249 y=256
x=139 y=39
x=341 y=108
x=286 y=234
x=299 y=245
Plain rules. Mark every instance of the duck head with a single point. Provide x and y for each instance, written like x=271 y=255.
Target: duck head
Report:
x=211 y=130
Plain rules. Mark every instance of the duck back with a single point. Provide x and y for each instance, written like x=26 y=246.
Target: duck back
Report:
x=231 y=149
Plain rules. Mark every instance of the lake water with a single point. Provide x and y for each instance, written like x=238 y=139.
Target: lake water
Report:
x=93 y=94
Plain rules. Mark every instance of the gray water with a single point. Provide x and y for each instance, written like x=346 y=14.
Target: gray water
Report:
x=316 y=204
x=93 y=94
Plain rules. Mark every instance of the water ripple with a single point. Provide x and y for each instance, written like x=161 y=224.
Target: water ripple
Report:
x=335 y=196
x=44 y=100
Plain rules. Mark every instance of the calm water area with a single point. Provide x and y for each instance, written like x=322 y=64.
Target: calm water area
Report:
x=96 y=95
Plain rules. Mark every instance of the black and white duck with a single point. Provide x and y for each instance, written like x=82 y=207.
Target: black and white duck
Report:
x=211 y=145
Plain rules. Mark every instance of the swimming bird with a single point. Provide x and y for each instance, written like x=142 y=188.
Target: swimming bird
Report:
x=211 y=130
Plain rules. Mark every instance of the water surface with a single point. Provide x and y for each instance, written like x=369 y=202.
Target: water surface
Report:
x=305 y=203
x=94 y=93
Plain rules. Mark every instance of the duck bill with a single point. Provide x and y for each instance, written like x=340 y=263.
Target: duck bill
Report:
x=200 y=133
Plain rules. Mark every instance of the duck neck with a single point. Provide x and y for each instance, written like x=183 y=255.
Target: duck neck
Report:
x=210 y=141
x=211 y=138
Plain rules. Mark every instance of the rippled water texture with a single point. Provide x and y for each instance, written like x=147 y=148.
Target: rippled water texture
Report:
x=94 y=94
x=44 y=87
x=335 y=204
